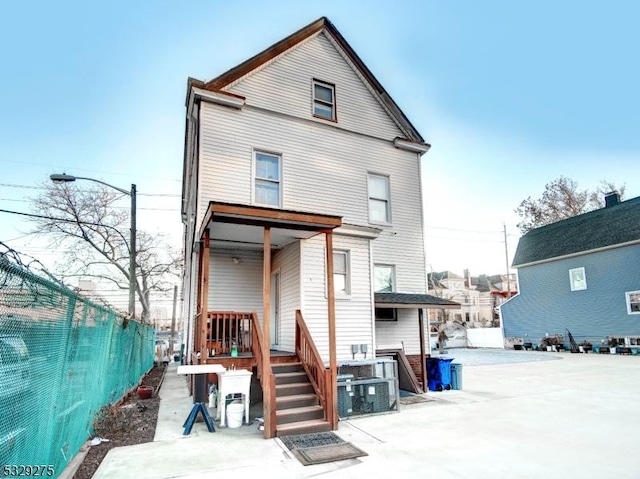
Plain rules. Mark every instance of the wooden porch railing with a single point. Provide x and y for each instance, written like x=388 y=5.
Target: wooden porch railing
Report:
x=319 y=375
x=226 y=327
x=264 y=376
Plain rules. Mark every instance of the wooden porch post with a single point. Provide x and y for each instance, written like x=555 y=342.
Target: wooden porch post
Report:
x=331 y=308
x=423 y=358
x=206 y=258
x=198 y=323
x=267 y=385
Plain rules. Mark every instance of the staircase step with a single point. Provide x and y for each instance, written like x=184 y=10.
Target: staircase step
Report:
x=292 y=377
x=287 y=367
x=304 y=427
x=296 y=400
x=293 y=389
x=299 y=414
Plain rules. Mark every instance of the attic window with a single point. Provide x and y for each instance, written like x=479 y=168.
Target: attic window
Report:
x=578 y=279
x=324 y=100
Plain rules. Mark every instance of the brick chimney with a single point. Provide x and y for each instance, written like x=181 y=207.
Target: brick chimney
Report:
x=611 y=199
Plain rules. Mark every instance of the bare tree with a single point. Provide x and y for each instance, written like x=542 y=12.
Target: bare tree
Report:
x=91 y=234
x=562 y=199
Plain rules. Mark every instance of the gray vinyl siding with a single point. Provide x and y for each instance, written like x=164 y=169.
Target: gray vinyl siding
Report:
x=354 y=314
x=287 y=261
x=325 y=168
x=403 y=332
x=546 y=303
x=284 y=85
x=324 y=171
x=235 y=287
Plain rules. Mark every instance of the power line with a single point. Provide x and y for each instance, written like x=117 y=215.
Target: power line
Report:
x=31 y=187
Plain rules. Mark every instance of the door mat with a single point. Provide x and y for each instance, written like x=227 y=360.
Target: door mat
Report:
x=320 y=448
x=330 y=453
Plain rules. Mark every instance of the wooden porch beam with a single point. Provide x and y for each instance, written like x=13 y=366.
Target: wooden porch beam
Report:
x=423 y=358
x=331 y=308
x=267 y=384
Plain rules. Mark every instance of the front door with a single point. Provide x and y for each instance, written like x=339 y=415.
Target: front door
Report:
x=275 y=309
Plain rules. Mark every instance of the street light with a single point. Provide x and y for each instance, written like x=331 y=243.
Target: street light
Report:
x=64 y=178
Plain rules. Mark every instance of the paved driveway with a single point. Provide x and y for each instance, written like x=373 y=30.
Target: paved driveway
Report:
x=577 y=416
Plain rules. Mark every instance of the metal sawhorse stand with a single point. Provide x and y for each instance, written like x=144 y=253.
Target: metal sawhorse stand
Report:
x=200 y=392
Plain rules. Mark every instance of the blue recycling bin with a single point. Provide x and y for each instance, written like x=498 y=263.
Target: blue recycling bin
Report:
x=439 y=373
x=456 y=376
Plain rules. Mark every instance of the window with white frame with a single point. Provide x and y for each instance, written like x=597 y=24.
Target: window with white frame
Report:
x=341 y=279
x=268 y=178
x=577 y=279
x=324 y=100
x=379 y=199
x=633 y=302
x=384 y=278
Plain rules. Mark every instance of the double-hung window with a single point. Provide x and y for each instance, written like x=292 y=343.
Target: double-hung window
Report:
x=379 y=199
x=633 y=302
x=268 y=179
x=384 y=278
x=384 y=281
x=324 y=100
x=341 y=280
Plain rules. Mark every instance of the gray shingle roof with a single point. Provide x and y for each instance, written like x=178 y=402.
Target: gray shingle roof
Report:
x=605 y=227
x=424 y=300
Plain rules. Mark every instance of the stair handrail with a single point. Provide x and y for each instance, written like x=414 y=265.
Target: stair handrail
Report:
x=256 y=349
x=312 y=362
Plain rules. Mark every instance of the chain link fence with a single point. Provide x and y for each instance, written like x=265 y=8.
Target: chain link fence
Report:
x=62 y=357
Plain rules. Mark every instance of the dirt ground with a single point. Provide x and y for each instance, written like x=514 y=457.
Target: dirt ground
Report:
x=133 y=421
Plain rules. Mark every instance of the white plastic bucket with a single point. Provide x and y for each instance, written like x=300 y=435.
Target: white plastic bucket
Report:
x=235 y=412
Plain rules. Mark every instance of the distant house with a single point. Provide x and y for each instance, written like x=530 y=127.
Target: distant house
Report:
x=581 y=274
x=478 y=295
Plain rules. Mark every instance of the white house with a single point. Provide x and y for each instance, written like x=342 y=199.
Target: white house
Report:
x=303 y=224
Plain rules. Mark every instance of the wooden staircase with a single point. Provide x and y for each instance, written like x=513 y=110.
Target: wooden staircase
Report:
x=298 y=409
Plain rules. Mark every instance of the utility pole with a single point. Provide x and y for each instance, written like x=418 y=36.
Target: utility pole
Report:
x=506 y=255
x=173 y=317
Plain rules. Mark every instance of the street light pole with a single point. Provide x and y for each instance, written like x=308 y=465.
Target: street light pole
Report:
x=64 y=178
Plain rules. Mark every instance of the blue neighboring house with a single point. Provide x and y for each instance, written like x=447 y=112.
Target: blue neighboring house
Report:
x=580 y=274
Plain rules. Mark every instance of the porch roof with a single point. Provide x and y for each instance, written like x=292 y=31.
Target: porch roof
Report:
x=237 y=221
x=412 y=301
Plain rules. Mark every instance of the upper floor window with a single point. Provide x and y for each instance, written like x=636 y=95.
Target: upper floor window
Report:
x=268 y=179
x=379 y=199
x=324 y=100
x=633 y=302
x=384 y=278
x=578 y=279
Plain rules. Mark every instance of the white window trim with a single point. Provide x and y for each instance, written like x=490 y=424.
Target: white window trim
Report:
x=387 y=199
x=574 y=286
x=347 y=273
x=254 y=177
x=337 y=295
x=332 y=87
x=393 y=275
x=628 y=298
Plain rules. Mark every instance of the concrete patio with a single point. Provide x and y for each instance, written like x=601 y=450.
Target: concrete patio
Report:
x=573 y=417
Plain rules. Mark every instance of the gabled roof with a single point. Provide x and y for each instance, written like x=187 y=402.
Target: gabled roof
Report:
x=604 y=228
x=323 y=23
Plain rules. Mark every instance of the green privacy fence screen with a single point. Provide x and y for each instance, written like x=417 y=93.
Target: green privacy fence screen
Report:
x=62 y=358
